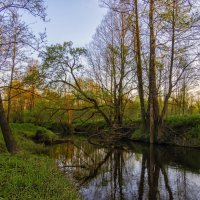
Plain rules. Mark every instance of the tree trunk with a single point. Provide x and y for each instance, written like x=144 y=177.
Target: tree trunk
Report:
x=70 y=118
x=139 y=66
x=122 y=71
x=184 y=96
x=153 y=94
x=6 y=131
x=11 y=78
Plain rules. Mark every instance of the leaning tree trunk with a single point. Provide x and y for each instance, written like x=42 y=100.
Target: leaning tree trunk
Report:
x=6 y=131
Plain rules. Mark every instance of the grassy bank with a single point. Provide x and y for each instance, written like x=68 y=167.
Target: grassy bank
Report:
x=179 y=130
x=32 y=174
x=184 y=130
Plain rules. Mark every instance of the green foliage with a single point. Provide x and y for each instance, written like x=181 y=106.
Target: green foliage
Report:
x=33 y=76
x=32 y=177
x=195 y=132
x=46 y=112
x=63 y=56
x=29 y=130
x=23 y=134
x=140 y=135
x=31 y=174
x=132 y=110
x=183 y=120
x=188 y=125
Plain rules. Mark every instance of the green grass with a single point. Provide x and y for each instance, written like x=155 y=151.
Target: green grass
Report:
x=183 y=120
x=29 y=130
x=23 y=134
x=183 y=130
x=189 y=125
x=31 y=174
x=32 y=177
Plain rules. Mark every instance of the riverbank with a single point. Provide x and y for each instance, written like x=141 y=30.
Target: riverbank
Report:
x=179 y=130
x=31 y=174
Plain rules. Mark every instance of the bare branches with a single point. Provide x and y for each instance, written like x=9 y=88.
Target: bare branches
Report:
x=34 y=7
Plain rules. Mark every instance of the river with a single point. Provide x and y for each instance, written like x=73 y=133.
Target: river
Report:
x=130 y=171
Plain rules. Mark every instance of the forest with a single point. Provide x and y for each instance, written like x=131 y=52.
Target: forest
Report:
x=136 y=80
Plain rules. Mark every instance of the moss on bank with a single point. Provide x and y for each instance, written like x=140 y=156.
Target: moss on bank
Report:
x=31 y=174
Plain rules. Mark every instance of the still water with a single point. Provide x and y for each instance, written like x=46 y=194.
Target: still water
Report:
x=130 y=171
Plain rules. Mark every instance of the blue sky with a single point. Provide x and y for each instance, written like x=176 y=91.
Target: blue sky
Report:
x=71 y=20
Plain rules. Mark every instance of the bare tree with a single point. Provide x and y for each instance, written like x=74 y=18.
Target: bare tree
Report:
x=161 y=40
x=35 y=8
x=111 y=61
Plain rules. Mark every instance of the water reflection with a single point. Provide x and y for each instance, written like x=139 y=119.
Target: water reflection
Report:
x=131 y=172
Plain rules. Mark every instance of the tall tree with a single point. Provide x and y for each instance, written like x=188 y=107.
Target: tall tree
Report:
x=35 y=8
x=6 y=131
x=111 y=63
x=179 y=22
x=153 y=92
x=138 y=58
x=64 y=62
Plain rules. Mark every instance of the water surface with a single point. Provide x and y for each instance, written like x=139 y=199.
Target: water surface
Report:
x=131 y=171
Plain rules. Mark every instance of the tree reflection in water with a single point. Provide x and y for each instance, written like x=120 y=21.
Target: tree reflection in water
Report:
x=131 y=172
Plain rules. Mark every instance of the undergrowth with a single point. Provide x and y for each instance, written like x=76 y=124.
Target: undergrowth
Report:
x=31 y=174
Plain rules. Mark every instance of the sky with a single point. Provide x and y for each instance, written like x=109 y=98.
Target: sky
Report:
x=70 y=20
